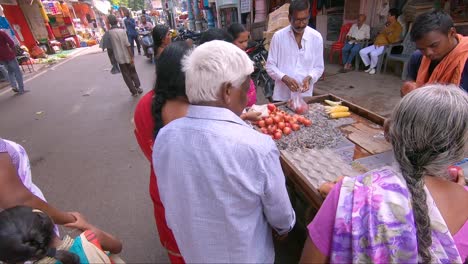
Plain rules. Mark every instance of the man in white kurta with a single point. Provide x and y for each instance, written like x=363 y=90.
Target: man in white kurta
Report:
x=295 y=59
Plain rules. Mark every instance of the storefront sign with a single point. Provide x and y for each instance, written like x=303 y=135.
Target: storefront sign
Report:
x=8 y=2
x=245 y=6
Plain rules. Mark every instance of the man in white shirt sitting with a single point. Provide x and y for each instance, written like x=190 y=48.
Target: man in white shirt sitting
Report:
x=356 y=37
x=295 y=59
x=220 y=181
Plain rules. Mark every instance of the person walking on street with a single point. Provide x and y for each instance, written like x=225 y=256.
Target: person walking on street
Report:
x=390 y=34
x=8 y=59
x=131 y=32
x=358 y=33
x=295 y=60
x=124 y=56
x=107 y=45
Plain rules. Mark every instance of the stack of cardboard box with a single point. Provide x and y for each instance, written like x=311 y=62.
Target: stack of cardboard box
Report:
x=277 y=20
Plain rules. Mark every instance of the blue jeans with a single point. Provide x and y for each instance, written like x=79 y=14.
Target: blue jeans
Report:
x=350 y=51
x=15 y=74
x=4 y=72
x=132 y=40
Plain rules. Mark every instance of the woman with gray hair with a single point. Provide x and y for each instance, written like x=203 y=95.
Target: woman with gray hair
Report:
x=413 y=213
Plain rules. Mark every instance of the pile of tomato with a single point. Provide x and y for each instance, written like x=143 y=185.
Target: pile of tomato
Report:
x=279 y=123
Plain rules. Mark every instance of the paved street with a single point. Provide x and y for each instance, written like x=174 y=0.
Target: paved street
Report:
x=76 y=126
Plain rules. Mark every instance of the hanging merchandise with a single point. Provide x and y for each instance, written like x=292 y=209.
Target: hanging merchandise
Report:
x=5 y=25
x=60 y=21
x=36 y=21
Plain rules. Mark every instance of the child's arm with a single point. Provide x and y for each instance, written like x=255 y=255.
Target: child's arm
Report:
x=107 y=241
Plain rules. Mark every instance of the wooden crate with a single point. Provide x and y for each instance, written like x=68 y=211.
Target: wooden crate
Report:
x=364 y=119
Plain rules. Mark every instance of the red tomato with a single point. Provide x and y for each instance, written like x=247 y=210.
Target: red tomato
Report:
x=295 y=127
x=287 y=130
x=307 y=122
x=301 y=119
x=296 y=116
x=277 y=135
x=281 y=125
x=269 y=121
x=293 y=120
x=272 y=129
x=271 y=107
x=301 y=110
x=261 y=123
x=287 y=124
x=264 y=130
x=276 y=119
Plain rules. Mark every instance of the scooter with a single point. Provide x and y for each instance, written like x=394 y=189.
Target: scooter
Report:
x=146 y=41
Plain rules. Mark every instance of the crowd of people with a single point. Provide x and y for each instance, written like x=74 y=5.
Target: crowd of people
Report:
x=218 y=190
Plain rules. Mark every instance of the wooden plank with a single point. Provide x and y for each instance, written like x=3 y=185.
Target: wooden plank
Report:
x=367 y=137
x=299 y=182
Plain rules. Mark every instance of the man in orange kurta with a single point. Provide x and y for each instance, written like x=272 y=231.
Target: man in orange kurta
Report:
x=442 y=53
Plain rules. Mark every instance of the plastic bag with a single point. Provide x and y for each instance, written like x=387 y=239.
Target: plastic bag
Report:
x=297 y=104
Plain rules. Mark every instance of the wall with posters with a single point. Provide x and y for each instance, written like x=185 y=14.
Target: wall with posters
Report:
x=33 y=12
x=20 y=25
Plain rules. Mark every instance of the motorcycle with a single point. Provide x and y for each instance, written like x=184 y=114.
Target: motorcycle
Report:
x=185 y=34
x=255 y=48
x=146 y=41
x=260 y=77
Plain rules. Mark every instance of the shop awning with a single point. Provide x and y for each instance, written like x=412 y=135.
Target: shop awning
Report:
x=102 y=6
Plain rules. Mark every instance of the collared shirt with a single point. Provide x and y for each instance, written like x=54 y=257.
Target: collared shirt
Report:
x=120 y=45
x=390 y=34
x=285 y=58
x=359 y=33
x=222 y=187
x=7 y=47
x=130 y=26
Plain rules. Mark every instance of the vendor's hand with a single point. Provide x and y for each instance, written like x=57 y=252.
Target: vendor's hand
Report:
x=251 y=116
x=407 y=88
x=306 y=83
x=291 y=83
x=132 y=61
x=80 y=223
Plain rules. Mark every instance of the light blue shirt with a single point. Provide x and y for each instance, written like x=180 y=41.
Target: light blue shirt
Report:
x=222 y=187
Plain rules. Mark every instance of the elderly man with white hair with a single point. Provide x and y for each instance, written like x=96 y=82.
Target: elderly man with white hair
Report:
x=219 y=180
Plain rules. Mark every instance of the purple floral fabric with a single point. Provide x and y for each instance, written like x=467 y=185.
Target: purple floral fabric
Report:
x=375 y=223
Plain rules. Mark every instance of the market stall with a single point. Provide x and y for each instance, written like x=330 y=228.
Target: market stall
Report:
x=61 y=24
x=328 y=147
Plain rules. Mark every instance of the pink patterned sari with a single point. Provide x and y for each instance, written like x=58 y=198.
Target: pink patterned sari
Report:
x=375 y=223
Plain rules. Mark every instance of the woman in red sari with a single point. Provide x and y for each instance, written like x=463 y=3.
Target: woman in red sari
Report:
x=151 y=114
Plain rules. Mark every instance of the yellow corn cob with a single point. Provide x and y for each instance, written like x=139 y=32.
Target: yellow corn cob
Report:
x=337 y=109
x=332 y=103
x=339 y=114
